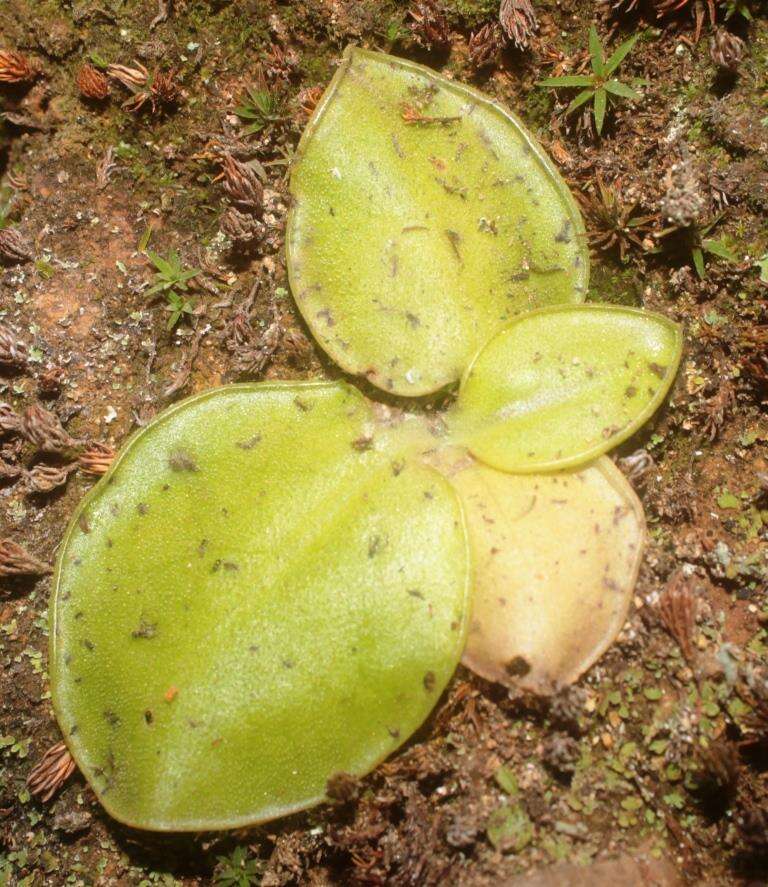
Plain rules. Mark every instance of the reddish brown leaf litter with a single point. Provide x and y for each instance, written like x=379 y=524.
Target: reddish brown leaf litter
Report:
x=52 y=771
x=485 y=45
x=518 y=19
x=92 y=83
x=242 y=185
x=96 y=458
x=46 y=478
x=726 y=50
x=17 y=561
x=14 y=249
x=428 y=24
x=16 y=67
x=13 y=352
x=677 y=607
x=44 y=430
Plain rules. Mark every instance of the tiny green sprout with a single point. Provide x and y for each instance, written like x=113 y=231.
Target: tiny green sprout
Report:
x=170 y=276
x=260 y=107
x=599 y=86
x=738 y=7
x=238 y=869
x=700 y=245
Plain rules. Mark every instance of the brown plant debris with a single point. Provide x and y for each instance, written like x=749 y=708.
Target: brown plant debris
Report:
x=677 y=608
x=241 y=228
x=14 y=249
x=242 y=185
x=12 y=351
x=518 y=20
x=44 y=429
x=485 y=45
x=16 y=68
x=428 y=24
x=46 y=478
x=51 y=772
x=670 y=7
x=10 y=422
x=17 y=561
x=726 y=50
x=614 y=224
x=96 y=458
x=131 y=78
x=308 y=99
x=164 y=88
x=92 y=83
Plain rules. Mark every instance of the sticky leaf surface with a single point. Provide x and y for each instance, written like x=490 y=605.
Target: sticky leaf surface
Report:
x=560 y=386
x=252 y=601
x=424 y=218
x=556 y=559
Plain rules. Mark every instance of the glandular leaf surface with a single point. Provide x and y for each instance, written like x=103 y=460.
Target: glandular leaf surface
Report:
x=252 y=601
x=561 y=386
x=424 y=218
x=556 y=560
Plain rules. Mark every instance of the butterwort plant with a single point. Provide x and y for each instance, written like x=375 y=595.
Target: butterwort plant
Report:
x=273 y=583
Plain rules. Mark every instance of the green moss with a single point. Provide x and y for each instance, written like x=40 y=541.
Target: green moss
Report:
x=614 y=285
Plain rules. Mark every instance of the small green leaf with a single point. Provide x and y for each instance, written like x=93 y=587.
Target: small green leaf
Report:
x=584 y=96
x=762 y=264
x=567 y=80
x=509 y=829
x=506 y=780
x=718 y=248
x=728 y=500
x=620 y=54
x=698 y=262
x=145 y=238
x=601 y=101
x=621 y=89
x=596 y=52
x=560 y=386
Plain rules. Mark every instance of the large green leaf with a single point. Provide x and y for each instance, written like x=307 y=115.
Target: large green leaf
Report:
x=560 y=386
x=424 y=218
x=255 y=598
x=556 y=559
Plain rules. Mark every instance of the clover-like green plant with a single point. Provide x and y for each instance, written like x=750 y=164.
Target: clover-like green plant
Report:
x=171 y=275
x=600 y=86
x=274 y=582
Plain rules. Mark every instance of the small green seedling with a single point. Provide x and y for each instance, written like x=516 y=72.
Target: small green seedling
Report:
x=270 y=588
x=170 y=276
x=260 y=107
x=600 y=86
x=700 y=245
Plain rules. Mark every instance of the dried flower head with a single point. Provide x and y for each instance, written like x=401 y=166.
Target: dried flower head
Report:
x=308 y=99
x=677 y=607
x=53 y=770
x=92 y=83
x=10 y=422
x=131 y=78
x=16 y=68
x=12 y=351
x=14 y=249
x=96 y=458
x=45 y=478
x=614 y=224
x=485 y=45
x=43 y=429
x=428 y=24
x=242 y=185
x=164 y=88
x=518 y=20
x=241 y=228
x=726 y=50
x=17 y=561
x=50 y=382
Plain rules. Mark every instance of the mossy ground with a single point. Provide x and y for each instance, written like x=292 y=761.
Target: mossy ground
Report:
x=492 y=786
